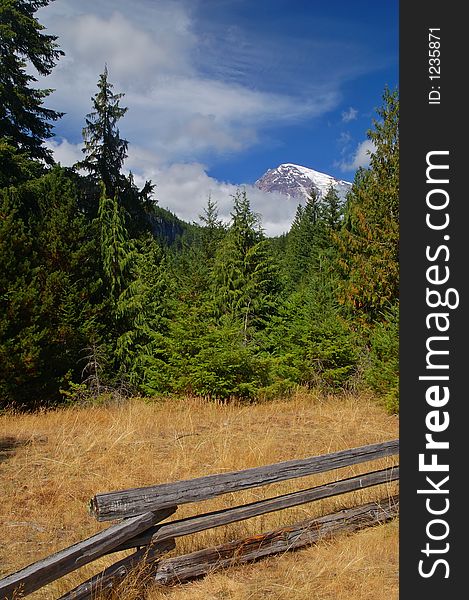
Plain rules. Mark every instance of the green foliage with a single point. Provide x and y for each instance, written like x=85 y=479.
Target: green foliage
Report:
x=312 y=344
x=301 y=240
x=382 y=373
x=103 y=294
x=369 y=241
x=24 y=121
x=105 y=151
x=167 y=228
x=16 y=166
x=213 y=230
x=49 y=292
x=331 y=353
x=331 y=213
x=309 y=243
x=226 y=367
x=141 y=314
x=245 y=281
x=116 y=249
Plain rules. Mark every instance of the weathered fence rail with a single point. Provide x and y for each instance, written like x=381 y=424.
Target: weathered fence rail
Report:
x=126 y=503
x=210 y=520
x=188 y=566
x=61 y=563
x=144 y=509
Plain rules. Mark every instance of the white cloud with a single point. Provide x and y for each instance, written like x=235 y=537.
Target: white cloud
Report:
x=187 y=118
x=64 y=152
x=344 y=140
x=180 y=107
x=133 y=52
x=183 y=188
x=349 y=115
x=194 y=89
x=360 y=158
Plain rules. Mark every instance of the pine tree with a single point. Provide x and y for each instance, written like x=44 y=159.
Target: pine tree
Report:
x=105 y=151
x=369 y=241
x=49 y=288
x=213 y=229
x=332 y=209
x=301 y=239
x=245 y=281
x=24 y=121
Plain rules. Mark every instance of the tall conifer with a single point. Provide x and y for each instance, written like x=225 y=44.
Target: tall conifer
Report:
x=24 y=121
x=105 y=151
x=369 y=240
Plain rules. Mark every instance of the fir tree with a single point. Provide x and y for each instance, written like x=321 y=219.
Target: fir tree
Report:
x=15 y=166
x=49 y=288
x=301 y=240
x=245 y=281
x=332 y=210
x=213 y=229
x=116 y=249
x=24 y=121
x=141 y=316
x=105 y=151
x=369 y=241
x=132 y=278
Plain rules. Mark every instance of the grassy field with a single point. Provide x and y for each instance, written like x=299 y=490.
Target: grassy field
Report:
x=52 y=462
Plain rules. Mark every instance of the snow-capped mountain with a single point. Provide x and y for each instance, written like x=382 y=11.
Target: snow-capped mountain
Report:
x=296 y=181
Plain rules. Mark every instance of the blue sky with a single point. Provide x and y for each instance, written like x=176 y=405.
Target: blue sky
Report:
x=218 y=91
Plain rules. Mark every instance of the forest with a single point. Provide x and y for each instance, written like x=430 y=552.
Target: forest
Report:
x=106 y=295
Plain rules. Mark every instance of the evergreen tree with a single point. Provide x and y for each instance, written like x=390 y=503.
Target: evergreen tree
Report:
x=217 y=336
x=118 y=256
x=332 y=210
x=116 y=250
x=301 y=241
x=312 y=343
x=244 y=281
x=213 y=229
x=382 y=369
x=24 y=121
x=132 y=278
x=49 y=288
x=15 y=166
x=369 y=241
x=142 y=322
x=187 y=306
x=105 y=151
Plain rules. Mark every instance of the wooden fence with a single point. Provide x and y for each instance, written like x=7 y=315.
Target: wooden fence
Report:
x=142 y=511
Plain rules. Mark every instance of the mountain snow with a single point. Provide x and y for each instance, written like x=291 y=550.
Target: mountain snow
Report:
x=296 y=182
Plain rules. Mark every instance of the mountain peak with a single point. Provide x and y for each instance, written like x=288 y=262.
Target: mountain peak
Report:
x=297 y=181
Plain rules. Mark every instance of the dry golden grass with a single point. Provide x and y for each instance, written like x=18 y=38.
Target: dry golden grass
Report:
x=362 y=566
x=51 y=463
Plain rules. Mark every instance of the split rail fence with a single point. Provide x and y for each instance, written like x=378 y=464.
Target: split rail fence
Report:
x=142 y=511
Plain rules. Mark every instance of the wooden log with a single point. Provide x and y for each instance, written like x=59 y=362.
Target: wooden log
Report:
x=174 y=529
x=110 y=577
x=196 y=564
x=124 y=503
x=53 y=567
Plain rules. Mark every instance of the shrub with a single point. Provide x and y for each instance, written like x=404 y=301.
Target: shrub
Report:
x=382 y=372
